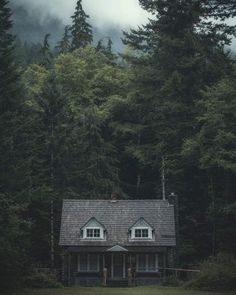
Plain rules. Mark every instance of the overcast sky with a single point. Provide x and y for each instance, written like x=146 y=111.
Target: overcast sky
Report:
x=106 y=17
x=123 y=13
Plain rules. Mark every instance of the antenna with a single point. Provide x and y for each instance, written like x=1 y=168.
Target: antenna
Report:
x=163 y=179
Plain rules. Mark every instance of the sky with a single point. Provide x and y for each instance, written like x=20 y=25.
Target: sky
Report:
x=123 y=13
x=35 y=18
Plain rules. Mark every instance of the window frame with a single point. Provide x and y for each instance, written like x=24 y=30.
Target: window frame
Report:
x=141 y=231
x=133 y=233
x=88 y=268
x=93 y=228
x=147 y=266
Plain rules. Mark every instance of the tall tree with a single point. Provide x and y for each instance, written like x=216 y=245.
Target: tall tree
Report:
x=90 y=82
x=45 y=52
x=178 y=53
x=8 y=73
x=81 y=30
x=64 y=45
x=106 y=49
x=13 y=175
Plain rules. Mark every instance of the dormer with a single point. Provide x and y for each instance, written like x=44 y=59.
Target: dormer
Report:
x=93 y=230
x=141 y=230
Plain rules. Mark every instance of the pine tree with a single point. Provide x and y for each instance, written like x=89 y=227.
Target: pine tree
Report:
x=64 y=45
x=10 y=111
x=45 y=52
x=93 y=172
x=8 y=73
x=49 y=117
x=106 y=49
x=81 y=30
x=179 y=52
x=13 y=168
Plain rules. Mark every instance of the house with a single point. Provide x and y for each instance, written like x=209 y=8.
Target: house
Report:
x=117 y=241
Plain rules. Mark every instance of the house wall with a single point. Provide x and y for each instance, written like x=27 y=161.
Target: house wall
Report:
x=71 y=276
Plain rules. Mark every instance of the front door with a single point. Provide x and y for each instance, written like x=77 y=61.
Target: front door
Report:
x=118 y=265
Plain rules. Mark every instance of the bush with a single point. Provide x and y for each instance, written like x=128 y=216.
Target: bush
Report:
x=171 y=281
x=42 y=280
x=217 y=273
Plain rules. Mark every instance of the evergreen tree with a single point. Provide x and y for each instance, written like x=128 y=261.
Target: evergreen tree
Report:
x=45 y=52
x=12 y=161
x=13 y=167
x=93 y=171
x=178 y=53
x=81 y=30
x=106 y=49
x=64 y=45
x=90 y=81
x=214 y=148
x=13 y=244
x=8 y=73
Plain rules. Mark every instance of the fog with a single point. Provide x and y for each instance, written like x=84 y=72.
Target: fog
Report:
x=35 y=18
x=123 y=13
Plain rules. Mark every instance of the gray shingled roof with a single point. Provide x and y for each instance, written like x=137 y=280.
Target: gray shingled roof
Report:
x=117 y=218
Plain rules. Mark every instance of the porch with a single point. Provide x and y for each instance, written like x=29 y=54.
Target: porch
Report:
x=114 y=266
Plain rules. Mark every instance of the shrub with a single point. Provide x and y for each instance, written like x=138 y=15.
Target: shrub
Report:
x=42 y=280
x=171 y=281
x=216 y=273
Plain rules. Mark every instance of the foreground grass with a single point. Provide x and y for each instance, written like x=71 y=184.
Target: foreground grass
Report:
x=150 y=290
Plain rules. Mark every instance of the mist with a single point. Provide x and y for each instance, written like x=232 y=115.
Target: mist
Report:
x=33 y=18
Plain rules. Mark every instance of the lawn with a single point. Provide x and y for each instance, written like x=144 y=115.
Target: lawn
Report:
x=150 y=290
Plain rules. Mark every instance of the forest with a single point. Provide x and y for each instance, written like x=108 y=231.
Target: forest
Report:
x=78 y=120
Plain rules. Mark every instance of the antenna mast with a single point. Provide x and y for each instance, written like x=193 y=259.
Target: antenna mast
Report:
x=163 y=179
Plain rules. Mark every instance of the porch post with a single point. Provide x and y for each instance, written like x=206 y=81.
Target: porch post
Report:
x=156 y=259
x=112 y=265
x=129 y=277
x=104 y=277
x=103 y=261
x=164 y=265
x=69 y=269
x=123 y=266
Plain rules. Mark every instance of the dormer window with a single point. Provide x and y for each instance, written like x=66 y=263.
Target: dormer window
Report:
x=141 y=230
x=93 y=230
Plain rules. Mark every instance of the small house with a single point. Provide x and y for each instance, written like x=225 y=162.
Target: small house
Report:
x=117 y=242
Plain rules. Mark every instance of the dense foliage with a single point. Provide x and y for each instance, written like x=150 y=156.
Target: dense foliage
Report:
x=81 y=122
x=217 y=273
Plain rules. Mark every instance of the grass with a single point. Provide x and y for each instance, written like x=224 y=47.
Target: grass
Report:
x=150 y=290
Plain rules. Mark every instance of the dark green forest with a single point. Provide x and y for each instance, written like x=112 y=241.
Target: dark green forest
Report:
x=80 y=121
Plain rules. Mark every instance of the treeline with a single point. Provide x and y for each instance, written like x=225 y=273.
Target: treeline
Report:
x=80 y=121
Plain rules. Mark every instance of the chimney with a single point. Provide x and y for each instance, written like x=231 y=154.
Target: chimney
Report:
x=114 y=197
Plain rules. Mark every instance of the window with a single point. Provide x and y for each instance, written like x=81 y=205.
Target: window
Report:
x=147 y=262
x=93 y=233
x=93 y=230
x=142 y=262
x=88 y=263
x=141 y=230
x=141 y=233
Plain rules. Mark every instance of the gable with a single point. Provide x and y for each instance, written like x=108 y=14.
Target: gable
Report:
x=92 y=223
x=93 y=230
x=141 y=230
x=141 y=222
x=117 y=248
